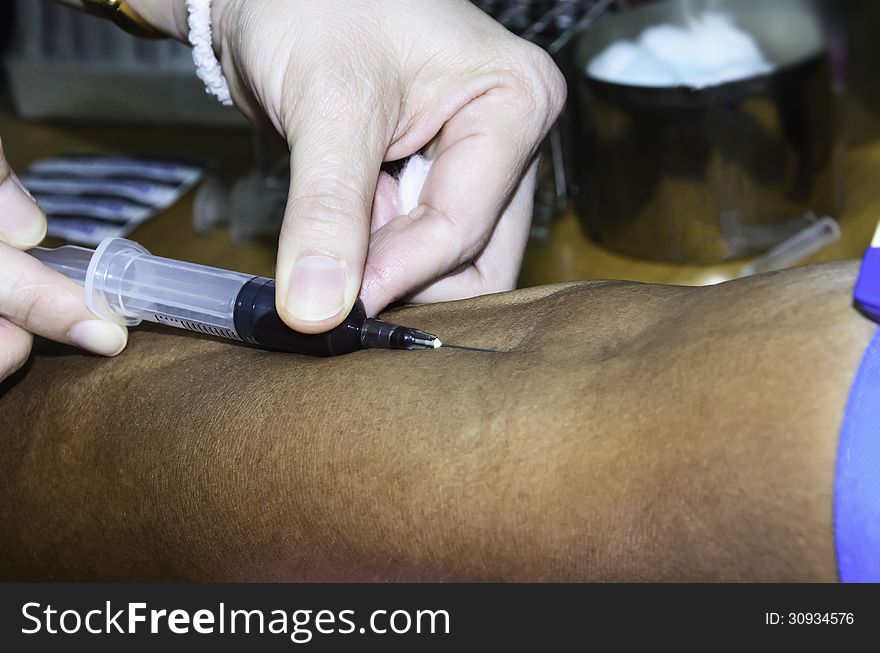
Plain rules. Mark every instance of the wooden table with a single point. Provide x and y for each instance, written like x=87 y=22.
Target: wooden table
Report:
x=568 y=255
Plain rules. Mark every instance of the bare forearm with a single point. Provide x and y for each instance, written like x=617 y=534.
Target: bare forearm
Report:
x=625 y=432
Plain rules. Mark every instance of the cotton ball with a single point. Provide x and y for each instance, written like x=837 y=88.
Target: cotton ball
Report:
x=678 y=48
x=646 y=70
x=728 y=53
x=730 y=73
x=673 y=45
x=710 y=50
x=627 y=63
x=722 y=42
x=411 y=180
x=612 y=60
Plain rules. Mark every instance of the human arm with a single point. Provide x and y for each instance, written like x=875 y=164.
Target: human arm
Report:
x=624 y=432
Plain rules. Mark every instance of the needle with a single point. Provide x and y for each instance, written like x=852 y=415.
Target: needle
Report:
x=463 y=348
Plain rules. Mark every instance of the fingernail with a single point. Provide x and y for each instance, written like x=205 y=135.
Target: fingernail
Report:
x=98 y=336
x=317 y=288
x=22 y=222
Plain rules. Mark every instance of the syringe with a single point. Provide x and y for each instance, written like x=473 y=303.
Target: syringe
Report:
x=124 y=283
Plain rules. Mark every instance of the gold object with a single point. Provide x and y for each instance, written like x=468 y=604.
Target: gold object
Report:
x=124 y=16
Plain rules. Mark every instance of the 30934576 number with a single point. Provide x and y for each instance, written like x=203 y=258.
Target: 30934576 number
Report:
x=809 y=618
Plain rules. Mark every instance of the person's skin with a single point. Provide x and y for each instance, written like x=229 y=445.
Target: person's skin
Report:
x=348 y=84
x=622 y=432
x=351 y=84
x=34 y=299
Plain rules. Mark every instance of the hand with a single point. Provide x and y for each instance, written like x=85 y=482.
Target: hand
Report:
x=351 y=84
x=33 y=298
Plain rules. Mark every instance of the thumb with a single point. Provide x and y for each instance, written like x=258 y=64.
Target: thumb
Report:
x=334 y=168
x=22 y=223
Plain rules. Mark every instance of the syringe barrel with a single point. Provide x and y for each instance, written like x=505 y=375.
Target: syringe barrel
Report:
x=125 y=281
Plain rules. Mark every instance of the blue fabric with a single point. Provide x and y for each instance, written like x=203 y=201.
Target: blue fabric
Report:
x=867 y=292
x=857 y=486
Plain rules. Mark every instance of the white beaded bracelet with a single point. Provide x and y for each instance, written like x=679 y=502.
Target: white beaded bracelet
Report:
x=207 y=67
